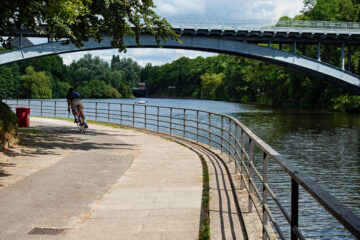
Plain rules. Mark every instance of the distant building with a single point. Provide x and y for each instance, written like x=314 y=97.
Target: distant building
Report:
x=142 y=86
x=140 y=90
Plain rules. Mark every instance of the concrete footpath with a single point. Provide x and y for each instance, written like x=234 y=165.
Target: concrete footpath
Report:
x=107 y=184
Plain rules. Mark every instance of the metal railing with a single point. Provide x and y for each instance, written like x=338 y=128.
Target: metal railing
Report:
x=238 y=24
x=232 y=138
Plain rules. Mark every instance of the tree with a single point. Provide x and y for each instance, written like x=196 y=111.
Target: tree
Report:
x=80 y=20
x=308 y=5
x=331 y=10
x=36 y=84
x=110 y=92
x=8 y=82
x=210 y=83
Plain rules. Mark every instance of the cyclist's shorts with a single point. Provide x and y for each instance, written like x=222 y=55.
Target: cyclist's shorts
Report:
x=78 y=103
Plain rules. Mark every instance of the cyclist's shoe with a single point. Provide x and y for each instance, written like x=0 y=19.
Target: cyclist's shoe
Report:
x=84 y=124
x=75 y=121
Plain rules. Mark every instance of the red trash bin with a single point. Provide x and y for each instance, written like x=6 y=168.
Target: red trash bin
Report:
x=23 y=116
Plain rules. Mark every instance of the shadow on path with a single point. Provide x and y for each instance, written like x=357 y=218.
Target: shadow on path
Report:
x=59 y=137
x=52 y=138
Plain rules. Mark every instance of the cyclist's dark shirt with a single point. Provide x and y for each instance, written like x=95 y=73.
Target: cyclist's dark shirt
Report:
x=73 y=95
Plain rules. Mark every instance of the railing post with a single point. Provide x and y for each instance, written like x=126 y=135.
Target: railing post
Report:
x=342 y=56
x=229 y=140
x=158 y=118
x=326 y=53
x=184 y=123
x=294 y=208
x=242 y=159
x=197 y=125
x=265 y=195
x=108 y=112
x=251 y=154
x=236 y=147
x=210 y=129
x=41 y=107
x=28 y=103
x=96 y=104
x=55 y=109
x=133 y=116
x=145 y=116
x=222 y=133
x=121 y=116
x=349 y=58
x=171 y=121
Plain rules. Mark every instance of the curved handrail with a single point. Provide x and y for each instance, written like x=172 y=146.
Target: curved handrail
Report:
x=231 y=135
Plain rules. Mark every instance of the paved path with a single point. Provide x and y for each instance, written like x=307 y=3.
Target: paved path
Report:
x=108 y=184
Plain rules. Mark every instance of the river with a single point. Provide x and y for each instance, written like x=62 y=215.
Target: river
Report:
x=324 y=145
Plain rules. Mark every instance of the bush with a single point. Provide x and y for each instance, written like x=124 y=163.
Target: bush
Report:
x=347 y=103
x=8 y=124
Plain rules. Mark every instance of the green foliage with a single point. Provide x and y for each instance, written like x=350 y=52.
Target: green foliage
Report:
x=331 y=10
x=95 y=78
x=210 y=83
x=60 y=89
x=110 y=92
x=36 y=84
x=80 y=20
x=347 y=103
x=10 y=85
x=47 y=77
x=8 y=124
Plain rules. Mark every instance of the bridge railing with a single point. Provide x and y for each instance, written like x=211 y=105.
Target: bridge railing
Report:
x=237 y=24
x=253 y=158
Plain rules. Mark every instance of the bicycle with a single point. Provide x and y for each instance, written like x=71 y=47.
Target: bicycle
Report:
x=79 y=121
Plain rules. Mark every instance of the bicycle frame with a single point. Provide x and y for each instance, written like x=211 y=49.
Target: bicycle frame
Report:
x=79 y=122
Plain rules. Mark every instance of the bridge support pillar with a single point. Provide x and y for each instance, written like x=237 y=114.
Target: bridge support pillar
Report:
x=20 y=40
x=349 y=58
x=280 y=47
x=269 y=44
x=294 y=48
x=327 y=54
x=342 y=56
x=318 y=52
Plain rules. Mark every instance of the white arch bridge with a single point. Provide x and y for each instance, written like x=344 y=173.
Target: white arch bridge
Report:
x=240 y=38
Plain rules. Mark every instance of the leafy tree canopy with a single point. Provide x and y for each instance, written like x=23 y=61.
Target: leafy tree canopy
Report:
x=36 y=84
x=80 y=20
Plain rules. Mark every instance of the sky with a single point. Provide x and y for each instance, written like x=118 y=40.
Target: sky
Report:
x=210 y=9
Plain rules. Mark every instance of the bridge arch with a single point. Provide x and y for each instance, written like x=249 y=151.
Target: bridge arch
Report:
x=218 y=44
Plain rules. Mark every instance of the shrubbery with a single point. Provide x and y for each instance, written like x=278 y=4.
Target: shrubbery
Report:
x=8 y=125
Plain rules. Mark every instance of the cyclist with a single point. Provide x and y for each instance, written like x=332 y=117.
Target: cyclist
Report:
x=73 y=99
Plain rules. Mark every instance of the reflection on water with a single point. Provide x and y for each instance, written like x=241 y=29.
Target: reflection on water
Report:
x=324 y=145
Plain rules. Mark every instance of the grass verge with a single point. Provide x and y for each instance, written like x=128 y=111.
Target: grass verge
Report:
x=204 y=233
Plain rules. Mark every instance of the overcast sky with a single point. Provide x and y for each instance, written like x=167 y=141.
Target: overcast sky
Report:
x=229 y=9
